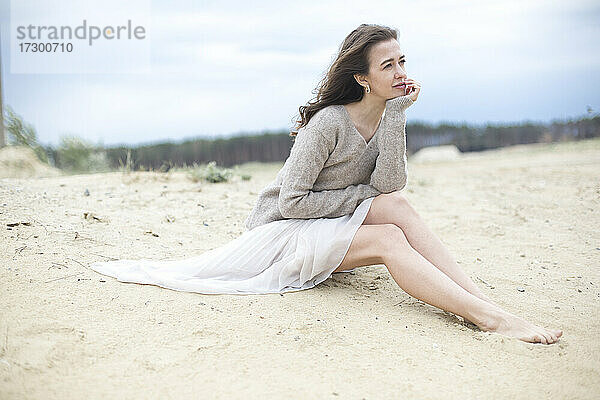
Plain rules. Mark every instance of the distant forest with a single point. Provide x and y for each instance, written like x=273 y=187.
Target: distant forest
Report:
x=273 y=147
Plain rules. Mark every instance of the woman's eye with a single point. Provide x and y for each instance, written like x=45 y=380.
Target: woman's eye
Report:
x=389 y=65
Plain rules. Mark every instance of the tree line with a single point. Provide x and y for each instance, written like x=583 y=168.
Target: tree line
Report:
x=275 y=146
x=77 y=155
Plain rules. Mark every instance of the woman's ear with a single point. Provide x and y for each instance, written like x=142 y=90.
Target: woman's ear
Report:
x=360 y=79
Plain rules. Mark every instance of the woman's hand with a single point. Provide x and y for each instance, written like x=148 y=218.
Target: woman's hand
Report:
x=413 y=88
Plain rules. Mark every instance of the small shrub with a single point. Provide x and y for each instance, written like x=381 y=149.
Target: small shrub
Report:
x=244 y=177
x=210 y=173
x=77 y=155
x=126 y=166
x=20 y=133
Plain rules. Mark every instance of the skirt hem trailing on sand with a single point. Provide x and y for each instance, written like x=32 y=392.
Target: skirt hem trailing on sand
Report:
x=278 y=257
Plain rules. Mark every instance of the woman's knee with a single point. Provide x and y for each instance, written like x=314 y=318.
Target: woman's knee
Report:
x=389 y=208
x=392 y=238
x=373 y=244
x=398 y=199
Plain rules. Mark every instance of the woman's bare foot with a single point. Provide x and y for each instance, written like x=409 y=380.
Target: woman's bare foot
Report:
x=505 y=323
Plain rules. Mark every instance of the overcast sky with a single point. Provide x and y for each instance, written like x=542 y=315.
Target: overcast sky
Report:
x=228 y=67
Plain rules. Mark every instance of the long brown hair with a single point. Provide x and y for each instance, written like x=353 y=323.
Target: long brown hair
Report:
x=339 y=86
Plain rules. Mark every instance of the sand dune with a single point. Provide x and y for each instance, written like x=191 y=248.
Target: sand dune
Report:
x=522 y=221
x=21 y=162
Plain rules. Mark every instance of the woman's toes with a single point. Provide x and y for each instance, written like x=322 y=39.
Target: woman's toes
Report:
x=540 y=338
x=558 y=333
x=545 y=337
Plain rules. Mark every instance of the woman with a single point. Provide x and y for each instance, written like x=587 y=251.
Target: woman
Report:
x=336 y=205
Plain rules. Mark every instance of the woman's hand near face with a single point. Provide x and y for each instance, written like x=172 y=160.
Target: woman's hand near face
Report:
x=413 y=88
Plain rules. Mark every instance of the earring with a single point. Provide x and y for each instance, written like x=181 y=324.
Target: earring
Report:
x=368 y=89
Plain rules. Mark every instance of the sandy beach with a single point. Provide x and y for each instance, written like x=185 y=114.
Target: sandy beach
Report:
x=522 y=221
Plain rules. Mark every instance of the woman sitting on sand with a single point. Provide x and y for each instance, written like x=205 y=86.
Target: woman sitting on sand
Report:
x=336 y=203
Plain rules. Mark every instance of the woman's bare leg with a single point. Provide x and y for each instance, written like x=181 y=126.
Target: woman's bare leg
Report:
x=393 y=208
x=387 y=244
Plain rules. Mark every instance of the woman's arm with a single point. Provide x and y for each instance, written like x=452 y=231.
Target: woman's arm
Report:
x=306 y=160
x=390 y=172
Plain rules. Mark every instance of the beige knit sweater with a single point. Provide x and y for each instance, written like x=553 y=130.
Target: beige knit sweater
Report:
x=331 y=169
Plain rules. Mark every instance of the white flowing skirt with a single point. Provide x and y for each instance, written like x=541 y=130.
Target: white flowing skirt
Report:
x=277 y=257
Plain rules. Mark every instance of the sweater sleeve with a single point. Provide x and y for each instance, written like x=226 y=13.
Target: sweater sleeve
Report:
x=306 y=160
x=390 y=173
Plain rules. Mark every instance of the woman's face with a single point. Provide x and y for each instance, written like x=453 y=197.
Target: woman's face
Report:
x=387 y=70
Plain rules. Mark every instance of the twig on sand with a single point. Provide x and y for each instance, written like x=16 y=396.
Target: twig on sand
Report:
x=54 y=264
x=63 y=277
x=101 y=255
x=46 y=229
x=397 y=304
x=488 y=285
x=5 y=347
x=78 y=262
x=78 y=236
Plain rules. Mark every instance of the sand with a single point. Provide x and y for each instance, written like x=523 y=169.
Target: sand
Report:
x=522 y=222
